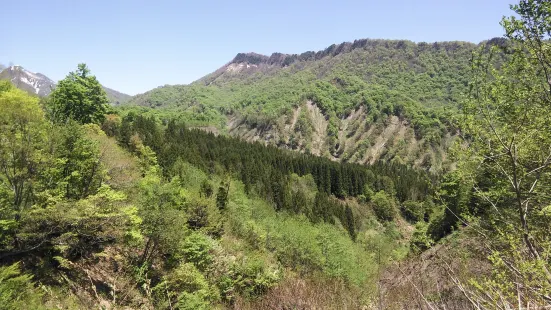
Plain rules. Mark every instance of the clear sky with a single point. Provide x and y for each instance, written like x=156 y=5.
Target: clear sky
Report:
x=134 y=46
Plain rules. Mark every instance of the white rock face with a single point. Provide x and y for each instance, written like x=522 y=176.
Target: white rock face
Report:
x=235 y=68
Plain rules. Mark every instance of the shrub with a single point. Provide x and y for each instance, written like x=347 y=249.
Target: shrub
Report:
x=186 y=287
x=253 y=275
x=384 y=206
x=17 y=290
x=413 y=211
x=420 y=240
x=196 y=249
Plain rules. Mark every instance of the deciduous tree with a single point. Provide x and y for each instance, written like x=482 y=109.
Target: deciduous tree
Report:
x=79 y=97
x=508 y=129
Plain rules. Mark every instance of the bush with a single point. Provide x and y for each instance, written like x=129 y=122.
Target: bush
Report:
x=17 y=290
x=384 y=206
x=186 y=287
x=420 y=240
x=413 y=211
x=196 y=249
x=253 y=275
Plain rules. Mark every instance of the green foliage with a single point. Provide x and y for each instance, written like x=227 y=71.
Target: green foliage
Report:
x=17 y=291
x=185 y=288
x=367 y=193
x=5 y=85
x=455 y=194
x=111 y=125
x=196 y=249
x=438 y=73
x=23 y=142
x=252 y=276
x=384 y=206
x=298 y=244
x=192 y=245
x=75 y=228
x=506 y=121
x=78 y=171
x=418 y=82
x=206 y=189
x=413 y=211
x=420 y=240
x=79 y=97
x=265 y=170
x=164 y=224
x=312 y=234
x=44 y=166
x=222 y=196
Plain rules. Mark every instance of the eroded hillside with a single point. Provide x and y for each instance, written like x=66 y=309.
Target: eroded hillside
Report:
x=358 y=139
x=356 y=102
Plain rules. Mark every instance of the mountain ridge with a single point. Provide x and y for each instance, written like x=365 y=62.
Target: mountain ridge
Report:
x=40 y=85
x=253 y=60
x=357 y=101
x=34 y=83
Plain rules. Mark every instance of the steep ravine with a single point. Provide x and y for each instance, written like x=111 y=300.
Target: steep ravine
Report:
x=358 y=139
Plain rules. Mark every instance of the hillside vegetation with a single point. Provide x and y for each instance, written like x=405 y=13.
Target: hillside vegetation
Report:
x=165 y=208
x=357 y=102
x=144 y=215
x=40 y=85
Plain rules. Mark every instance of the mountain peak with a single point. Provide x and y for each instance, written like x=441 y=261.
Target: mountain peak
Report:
x=41 y=85
x=35 y=83
x=250 y=58
x=276 y=59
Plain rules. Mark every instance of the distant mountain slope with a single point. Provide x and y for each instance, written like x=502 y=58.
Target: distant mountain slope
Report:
x=116 y=97
x=40 y=85
x=34 y=83
x=360 y=101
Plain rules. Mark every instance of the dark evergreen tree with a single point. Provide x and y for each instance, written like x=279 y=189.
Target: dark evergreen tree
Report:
x=206 y=189
x=349 y=222
x=222 y=195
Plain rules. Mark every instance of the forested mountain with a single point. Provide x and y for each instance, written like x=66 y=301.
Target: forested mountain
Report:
x=356 y=102
x=215 y=196
x=163 y=216
x=40 y=85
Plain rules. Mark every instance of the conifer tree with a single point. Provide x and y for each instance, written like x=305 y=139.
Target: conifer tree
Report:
x=222 y=195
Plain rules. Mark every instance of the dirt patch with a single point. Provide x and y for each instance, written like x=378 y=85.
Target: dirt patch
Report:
x=320 y=127
x=294 y=119
x=381 y=141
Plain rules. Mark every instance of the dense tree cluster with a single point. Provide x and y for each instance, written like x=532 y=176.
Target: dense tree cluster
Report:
x=170 y=201
x=266 y=170
x=55 y=199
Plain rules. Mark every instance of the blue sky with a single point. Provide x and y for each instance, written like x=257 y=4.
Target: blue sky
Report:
x=134 y=46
